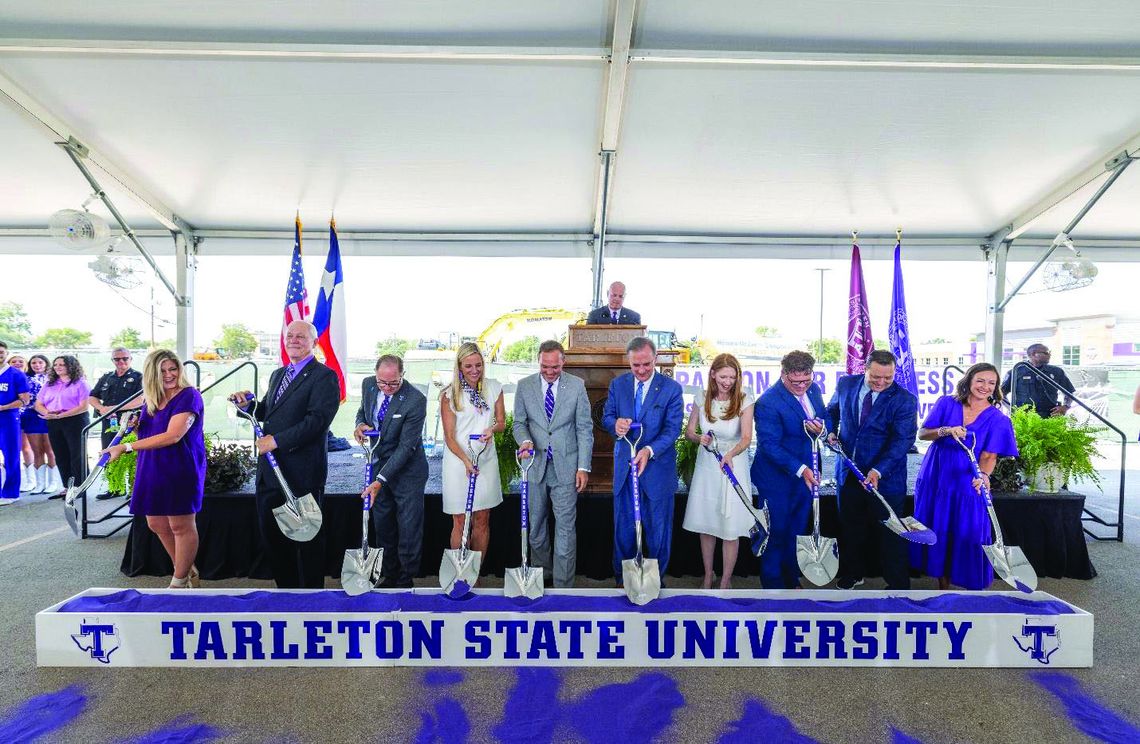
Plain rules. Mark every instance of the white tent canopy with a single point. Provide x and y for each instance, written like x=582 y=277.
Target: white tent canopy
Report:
x=734 y=128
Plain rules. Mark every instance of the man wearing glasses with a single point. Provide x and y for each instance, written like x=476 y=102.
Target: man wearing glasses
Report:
x=111 y=390
x=782 y=467
x=396 y=409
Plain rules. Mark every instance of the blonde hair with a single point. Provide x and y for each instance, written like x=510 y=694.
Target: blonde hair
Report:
x=455 y=390
x=735 y=396
x=153 y=392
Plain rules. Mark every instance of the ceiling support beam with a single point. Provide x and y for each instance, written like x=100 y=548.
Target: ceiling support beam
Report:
x=617 y=72
x=885 y=61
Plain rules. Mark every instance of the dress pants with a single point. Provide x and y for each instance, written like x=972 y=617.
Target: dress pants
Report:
x=860 y=520
x=66 y=437
x=789 y=514
x=548 y=496
x=398 y=520
x=656 y=527
x=295 y=565
x=10 y=446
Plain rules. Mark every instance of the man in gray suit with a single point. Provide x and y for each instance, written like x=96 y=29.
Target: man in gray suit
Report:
x=553 y=425
x=392 y=405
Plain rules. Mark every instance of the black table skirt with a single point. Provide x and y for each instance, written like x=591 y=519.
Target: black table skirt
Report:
x=1046 y=526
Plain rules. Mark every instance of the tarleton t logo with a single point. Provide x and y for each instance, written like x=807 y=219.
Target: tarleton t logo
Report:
x=99 y=640
x=1044 y=641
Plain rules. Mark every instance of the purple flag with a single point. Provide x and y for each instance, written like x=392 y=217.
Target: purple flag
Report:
x=899 y=330
x=859 y=343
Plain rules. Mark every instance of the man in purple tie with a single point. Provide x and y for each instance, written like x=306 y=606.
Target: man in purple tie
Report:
x=299 y=405
x=553 y=425
x=877 y=422
x=394 y=407
x=614 y=312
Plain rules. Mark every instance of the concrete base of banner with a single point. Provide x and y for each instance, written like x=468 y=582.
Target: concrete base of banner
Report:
x=572 y=627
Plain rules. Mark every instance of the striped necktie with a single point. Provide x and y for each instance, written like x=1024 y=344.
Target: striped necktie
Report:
x=286 y=379
x=549 y=405
x=382 y=411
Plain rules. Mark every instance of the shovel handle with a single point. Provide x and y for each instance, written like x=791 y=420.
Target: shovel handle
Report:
x=290 y=499
x=125 y=430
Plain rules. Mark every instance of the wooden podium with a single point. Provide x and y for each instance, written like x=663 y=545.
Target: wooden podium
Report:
x=596 y=354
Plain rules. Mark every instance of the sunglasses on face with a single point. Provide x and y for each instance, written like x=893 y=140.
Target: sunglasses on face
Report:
x=120 y=359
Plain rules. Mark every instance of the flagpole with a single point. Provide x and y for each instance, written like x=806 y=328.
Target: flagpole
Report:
x=819 y=349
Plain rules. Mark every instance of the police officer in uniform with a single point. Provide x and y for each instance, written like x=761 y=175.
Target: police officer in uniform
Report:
x=111 y=390
x=1022 y=387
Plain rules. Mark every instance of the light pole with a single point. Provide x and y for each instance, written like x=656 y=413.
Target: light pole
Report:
x=819 y=349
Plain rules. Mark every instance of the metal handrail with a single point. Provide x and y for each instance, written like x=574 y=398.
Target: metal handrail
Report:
x=1119 y=524
x=947 y=388
x=197 y=372
x=231 y=373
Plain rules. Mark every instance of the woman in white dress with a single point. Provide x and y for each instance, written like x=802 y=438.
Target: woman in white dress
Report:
x=472 y=404
x=713 y=509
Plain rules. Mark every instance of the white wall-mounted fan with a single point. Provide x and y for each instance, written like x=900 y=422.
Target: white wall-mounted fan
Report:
x=78 y=229
x=1071 y=272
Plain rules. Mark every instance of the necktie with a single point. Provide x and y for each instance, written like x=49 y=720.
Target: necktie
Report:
x=637 y=400
x=614 y=315
x=807 y=408
x=866 y=410
x=290 y=373
x=382 y=411
x=549 y=405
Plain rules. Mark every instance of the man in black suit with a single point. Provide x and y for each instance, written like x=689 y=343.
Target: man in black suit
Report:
x=615 y=312
x=299 y=406
x=397 y=409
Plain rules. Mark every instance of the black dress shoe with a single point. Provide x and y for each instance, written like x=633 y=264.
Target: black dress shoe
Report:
x=106 y=496
x=57 y=496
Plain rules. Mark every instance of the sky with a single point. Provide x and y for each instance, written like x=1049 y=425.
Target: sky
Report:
x=414 y=297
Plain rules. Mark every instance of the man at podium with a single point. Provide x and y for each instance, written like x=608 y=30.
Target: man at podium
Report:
x=614 y=312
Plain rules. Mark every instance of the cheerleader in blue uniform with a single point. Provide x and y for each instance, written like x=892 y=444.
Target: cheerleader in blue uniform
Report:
x=13 y=396
x=44 y=473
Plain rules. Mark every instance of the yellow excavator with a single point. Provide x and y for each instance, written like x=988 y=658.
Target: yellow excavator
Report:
x=695 y=351
x=517 y=324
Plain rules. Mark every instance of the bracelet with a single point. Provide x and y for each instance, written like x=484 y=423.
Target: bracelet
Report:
x=942 y=431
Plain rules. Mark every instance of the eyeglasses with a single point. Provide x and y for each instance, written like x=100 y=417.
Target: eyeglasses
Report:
x=120 y=359
x=798 y=383
x=390 y=383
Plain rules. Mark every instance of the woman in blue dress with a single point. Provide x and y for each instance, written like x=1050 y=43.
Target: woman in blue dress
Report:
x=947 y=497
x=13 y=396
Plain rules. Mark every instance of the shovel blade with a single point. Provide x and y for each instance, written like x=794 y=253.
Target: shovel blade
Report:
x=911 y=530
x=642 y=579
x=303 y=524
x=360 y=573
x=818 y=558
x=759 y=532
x=71 y=514
x=1011 y=565
x=524 y=581
x=459 y=570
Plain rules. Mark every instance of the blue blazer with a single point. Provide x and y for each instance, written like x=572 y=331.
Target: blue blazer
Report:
x=884 y=439
x=782 y=446
x=661 y=416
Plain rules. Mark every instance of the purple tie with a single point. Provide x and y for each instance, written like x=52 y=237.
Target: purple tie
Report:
x=290 y=373
x=382 y=411
x=614 y=315
x=866 y=410
x=804 y=403
x=549 y=403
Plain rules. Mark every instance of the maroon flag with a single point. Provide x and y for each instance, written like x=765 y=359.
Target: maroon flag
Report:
x=859 y=343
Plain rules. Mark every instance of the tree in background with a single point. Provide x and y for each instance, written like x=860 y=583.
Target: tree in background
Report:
x=523 y=350
x=394 y=346
x=128 y=337
x=15 y=328
x=766 y=331
x=63 y=338
x=832 y=352
x=236 y=341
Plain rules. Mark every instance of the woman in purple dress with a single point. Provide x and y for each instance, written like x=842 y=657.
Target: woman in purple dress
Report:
x=170 y=476
x=947 y=496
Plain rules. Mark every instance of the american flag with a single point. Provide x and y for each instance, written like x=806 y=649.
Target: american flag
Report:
x=296 y=296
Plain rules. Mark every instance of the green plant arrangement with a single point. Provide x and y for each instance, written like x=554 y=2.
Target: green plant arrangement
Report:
x=506 y=446
x=686 y=458
x=1056 y=441
x=228 y=466
x=1006 y=477
x=120 y=474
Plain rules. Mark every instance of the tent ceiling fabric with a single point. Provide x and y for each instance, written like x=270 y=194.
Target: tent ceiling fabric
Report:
x=512 y=146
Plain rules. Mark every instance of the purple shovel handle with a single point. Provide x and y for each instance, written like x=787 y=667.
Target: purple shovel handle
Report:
x=123 y=433
x=368 y=469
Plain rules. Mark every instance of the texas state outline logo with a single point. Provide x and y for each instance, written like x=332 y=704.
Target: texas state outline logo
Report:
x=1042 y=640
x=99 y=640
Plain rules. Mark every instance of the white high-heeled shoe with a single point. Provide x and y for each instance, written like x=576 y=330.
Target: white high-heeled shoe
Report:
x=28 y=479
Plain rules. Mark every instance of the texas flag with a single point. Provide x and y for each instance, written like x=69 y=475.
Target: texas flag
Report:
x=329 y=316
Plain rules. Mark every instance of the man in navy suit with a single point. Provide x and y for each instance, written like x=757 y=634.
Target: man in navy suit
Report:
x=877 y=422
x=782 y=467
x=654 y=400
x=614 y=311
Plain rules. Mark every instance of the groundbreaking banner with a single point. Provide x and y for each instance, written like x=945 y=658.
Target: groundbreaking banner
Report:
x=221 y=628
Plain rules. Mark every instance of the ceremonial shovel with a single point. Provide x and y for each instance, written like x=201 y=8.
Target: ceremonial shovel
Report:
x=299 y=518
x=818 y=556
x=525 y=581
x=459 y=569
x=1009 y=561
x=70 y=511
x=908 y=528
x=360 y=571
x=641 y=576
x=758 y=533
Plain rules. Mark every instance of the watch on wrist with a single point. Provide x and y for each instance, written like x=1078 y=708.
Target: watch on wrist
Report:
x=128 y=447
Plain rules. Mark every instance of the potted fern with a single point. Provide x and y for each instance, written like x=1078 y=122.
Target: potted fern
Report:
x=120 y=474
x=1054 y=451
